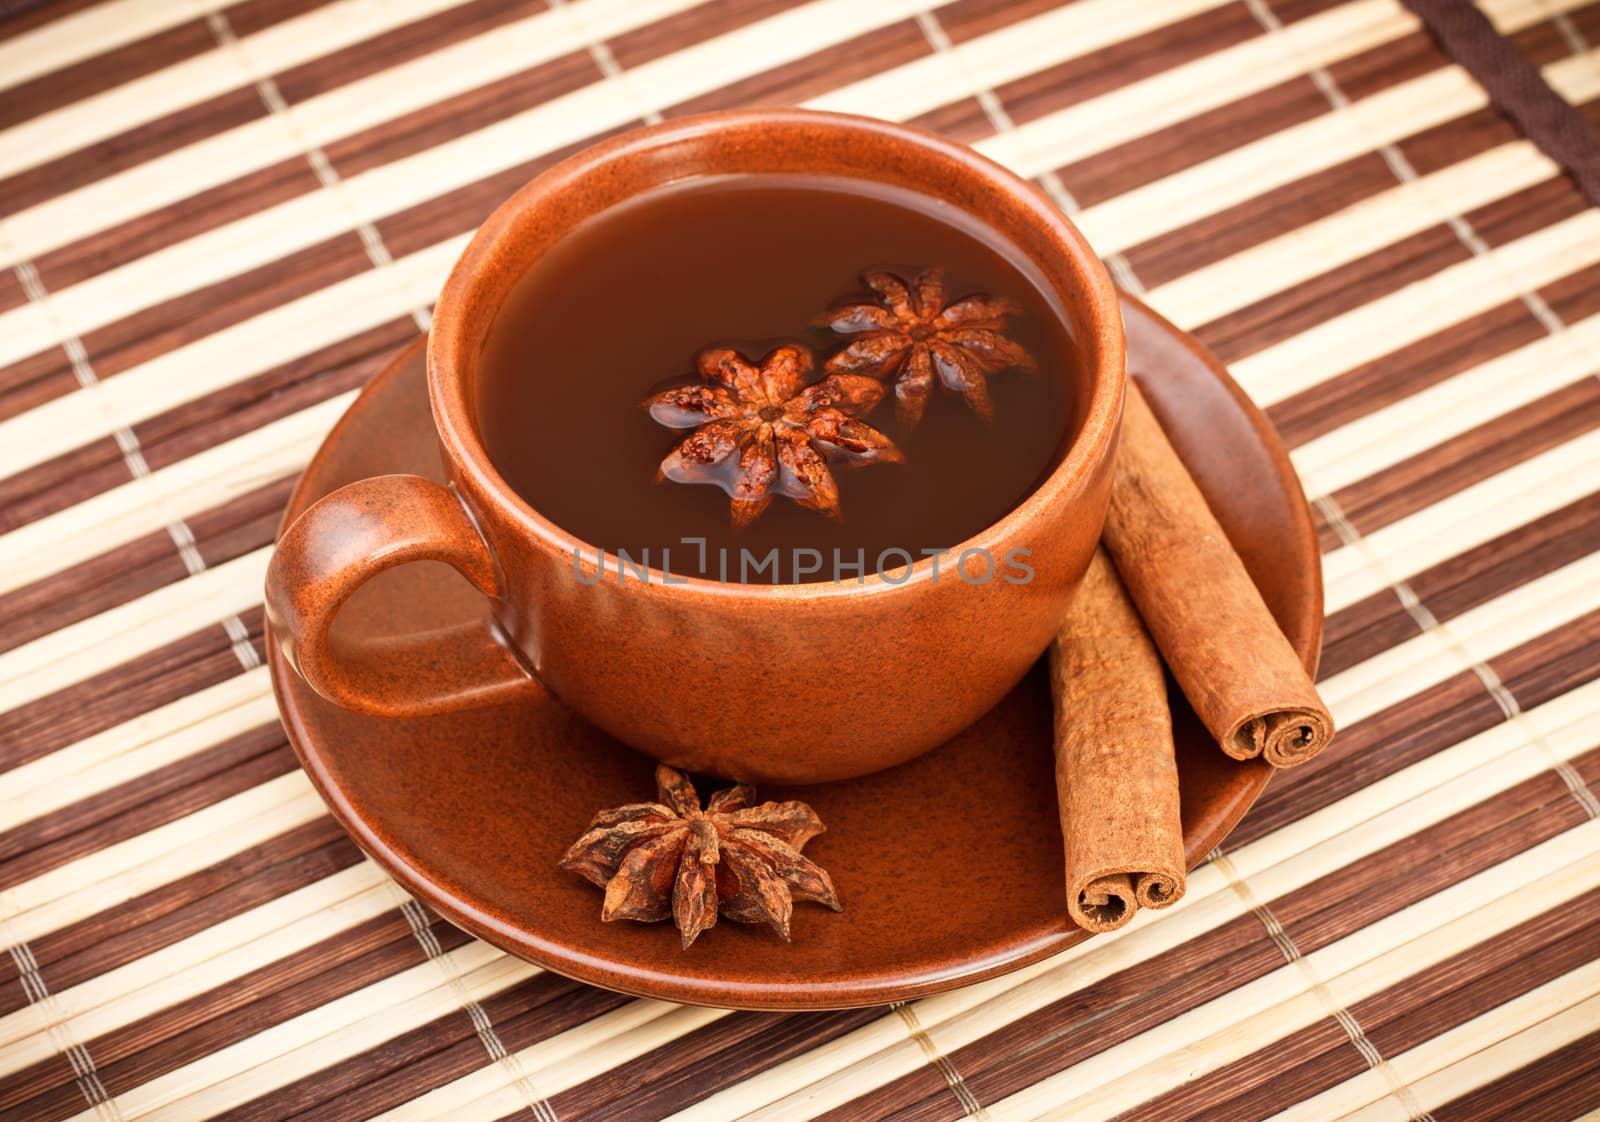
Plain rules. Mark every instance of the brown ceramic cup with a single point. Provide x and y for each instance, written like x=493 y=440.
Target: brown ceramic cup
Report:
x=789 y=683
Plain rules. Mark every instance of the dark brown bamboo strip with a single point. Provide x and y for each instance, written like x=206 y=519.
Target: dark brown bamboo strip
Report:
x=18 y=16
x=30 y=382
x=1424 y=723
x=90 y=825
x=168 y=225
x=1429 y=861
x=1443 y=715
x=701 y=1063
x=41 y=182
x=703 y=21
x=1552 y=664
x=828 y=69
x=194 y=426
x=1100 y=176
x=190 y=1030
x=399 y=45
x=439 y=1052
x=1456 y=464
x=1450 y=993
x=199 y=425
x=1539 y=547
x=203 y=311
x=97 y=75
x=145 y=682
x=1558 y=1087
x=1301 y=1065
x=1303 y=306
x=86 y=589
x=1517 y=88
x=1268 y=215
x=1406 y=57
x=1353 y=394
x=246 y=17
x=965 y=121
x=121 y=934
x=1542 y=43
x=140 y=567
x=1364 y=630
x=11 y=291
x=443 y=121
x=61 y=482
x=1100 y=72
x=1085 y=1022
x=1527 y=211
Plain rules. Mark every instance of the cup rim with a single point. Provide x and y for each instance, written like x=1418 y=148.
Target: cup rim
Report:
x=449 y=338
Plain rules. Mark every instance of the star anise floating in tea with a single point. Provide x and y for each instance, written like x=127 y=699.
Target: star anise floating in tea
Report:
x=761 y=430
x=911 y=336
x=733 y=858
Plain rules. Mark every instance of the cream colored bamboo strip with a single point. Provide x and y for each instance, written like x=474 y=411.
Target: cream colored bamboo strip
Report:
x=205 y=960
x=120 y=872
x=1462 y=1059
x=144 y=505
x=1512 y=15
x=84 y=649
x=307 y=219
x=1450 y=296
x=137 y=747
x=1472 y=516
x=905 y=91
x=1378 y=957
x=81 y=35
x=555 y=1064
x=1475 y=636
x=1577 y=79
x=323 y=1036
x=227 y=357
x=1005 y=55
x=1364 y=823
x=1183 y=92
x=1357 y=826
x=1383 y=438
x=1249 y=171
x=1350 y=234
x=198 y=78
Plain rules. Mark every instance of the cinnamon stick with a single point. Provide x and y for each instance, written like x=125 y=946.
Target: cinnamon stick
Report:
x=1215 y=632
x=1116 y=776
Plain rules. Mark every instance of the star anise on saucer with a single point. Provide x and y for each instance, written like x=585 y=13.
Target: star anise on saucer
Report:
x=671 y=858
x=760 y=430
x=912 y=336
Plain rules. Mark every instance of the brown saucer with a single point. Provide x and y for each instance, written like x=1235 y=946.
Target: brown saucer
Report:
x=949 y=866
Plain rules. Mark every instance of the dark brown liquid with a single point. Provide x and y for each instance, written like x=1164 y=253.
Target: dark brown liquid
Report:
x=621 y=307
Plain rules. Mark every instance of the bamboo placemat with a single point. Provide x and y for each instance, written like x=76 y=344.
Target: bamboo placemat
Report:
x=219 y=219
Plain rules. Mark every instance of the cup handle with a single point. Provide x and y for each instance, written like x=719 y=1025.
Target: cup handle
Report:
x=345 y=539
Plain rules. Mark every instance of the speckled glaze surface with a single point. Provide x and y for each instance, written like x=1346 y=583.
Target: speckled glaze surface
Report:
x=949 y=866
x=738 y=680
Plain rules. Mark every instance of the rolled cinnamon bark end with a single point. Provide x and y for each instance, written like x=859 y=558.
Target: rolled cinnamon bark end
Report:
x=1214 y=630
x=1286 y=737
x=1104 y=904
x=1157 y=890
x=1116 y=773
